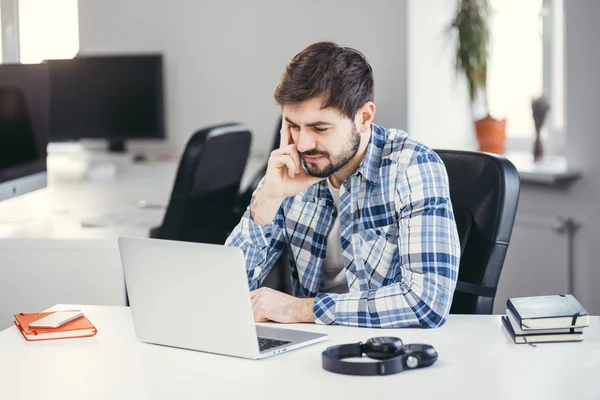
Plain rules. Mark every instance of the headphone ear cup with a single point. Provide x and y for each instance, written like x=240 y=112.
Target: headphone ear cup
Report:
x=421 y=355
x=383 y=348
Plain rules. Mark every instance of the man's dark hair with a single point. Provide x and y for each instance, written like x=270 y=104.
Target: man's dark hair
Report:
x=341 y=75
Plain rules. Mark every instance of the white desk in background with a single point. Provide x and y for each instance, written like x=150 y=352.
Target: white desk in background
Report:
x=48 y=256
x=59 y=210
x=477 y=360
x=73 y=207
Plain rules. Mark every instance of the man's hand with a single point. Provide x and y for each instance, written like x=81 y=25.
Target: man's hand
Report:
x=271 y=305
x=285 y=177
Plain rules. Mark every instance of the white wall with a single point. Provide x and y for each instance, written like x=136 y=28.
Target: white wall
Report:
x=582 y=81
x=39 y=273
x=224 y=58
x=579 y=200
x=438 y=105
x=438 y=114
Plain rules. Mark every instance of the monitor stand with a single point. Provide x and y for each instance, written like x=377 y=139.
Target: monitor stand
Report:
x=117 y=146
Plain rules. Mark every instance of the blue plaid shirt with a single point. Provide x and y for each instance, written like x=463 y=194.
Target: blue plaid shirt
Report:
x=398 y=237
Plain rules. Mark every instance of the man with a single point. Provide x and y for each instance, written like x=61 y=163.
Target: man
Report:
x=364 y=211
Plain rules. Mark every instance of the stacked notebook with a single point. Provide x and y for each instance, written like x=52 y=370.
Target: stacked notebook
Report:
x=545 y=319
x=75 y=328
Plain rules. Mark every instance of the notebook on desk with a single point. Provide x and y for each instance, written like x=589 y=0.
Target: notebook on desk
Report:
x=548 y=312
x=77 y=328
x=539 y=336
x=543 y=319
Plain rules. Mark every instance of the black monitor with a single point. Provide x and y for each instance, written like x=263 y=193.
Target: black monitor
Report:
x=112 y=97
x=24 y=95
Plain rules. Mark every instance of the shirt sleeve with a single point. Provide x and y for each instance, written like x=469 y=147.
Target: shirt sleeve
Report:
x=429 y=256
x=262 y=245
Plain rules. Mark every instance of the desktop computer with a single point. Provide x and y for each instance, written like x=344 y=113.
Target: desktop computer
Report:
x=24 y=120
x=111 y=97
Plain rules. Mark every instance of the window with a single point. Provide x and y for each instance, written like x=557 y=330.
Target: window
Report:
x=1 y=36
x=46 y=29
x=526 y=60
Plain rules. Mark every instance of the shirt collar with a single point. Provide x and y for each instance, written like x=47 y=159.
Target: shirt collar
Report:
x=369 y=167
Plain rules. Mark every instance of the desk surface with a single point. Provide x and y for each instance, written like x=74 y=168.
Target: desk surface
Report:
x=477 y=360
x=57 y=212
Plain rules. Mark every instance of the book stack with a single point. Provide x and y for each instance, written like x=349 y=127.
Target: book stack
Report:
x=545 y=319
x=32 y=330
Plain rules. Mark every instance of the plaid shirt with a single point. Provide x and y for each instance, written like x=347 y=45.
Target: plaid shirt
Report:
x=398 y=237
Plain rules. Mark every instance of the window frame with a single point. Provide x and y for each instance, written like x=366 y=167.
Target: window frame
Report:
x=9 y=23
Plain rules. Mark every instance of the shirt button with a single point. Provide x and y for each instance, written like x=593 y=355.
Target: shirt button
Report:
x=378 y=232
x=334 y=214
x=257 y=272
x=268 y=234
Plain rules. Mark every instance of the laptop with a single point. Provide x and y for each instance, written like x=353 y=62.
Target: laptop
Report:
x=196 y=296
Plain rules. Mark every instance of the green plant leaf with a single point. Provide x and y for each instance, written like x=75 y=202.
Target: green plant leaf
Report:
x=471 y=24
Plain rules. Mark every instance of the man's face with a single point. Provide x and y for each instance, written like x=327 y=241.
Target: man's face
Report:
x=326 y=139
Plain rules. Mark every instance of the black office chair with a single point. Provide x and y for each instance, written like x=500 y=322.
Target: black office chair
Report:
x=484 y=190
x=206 y=186
x=245 y=195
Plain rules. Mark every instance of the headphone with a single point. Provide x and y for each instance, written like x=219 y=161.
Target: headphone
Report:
x=394 y=357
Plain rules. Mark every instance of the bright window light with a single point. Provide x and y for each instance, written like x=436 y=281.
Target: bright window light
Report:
x=48 y=30
x=515 y=69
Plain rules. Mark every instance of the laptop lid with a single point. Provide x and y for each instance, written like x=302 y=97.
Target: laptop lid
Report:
x=189 y=295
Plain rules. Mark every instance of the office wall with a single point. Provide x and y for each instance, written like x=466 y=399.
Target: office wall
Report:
x=580 y=199
x=37 y=274
x=438 y=106
x=438 y=114
x=224 y=58
x=582 y=81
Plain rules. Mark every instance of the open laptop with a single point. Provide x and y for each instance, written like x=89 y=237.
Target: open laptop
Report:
x=196 y=296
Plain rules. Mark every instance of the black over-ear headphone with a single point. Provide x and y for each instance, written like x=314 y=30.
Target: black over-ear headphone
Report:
x=394 y=355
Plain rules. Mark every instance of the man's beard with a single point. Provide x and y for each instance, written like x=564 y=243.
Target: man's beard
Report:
x=338 y=162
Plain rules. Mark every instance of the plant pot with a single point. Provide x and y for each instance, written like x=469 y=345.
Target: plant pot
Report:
x=491 y=134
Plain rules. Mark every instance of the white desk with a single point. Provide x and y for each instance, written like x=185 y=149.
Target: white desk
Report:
x=477 y=360
x=57 y=211
x=46 y=255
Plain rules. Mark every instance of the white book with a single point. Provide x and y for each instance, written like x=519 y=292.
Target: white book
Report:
x=518 y=331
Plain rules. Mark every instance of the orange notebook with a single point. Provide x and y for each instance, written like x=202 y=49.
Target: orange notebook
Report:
x=80 y=327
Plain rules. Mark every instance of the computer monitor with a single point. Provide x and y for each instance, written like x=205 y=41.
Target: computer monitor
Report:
x=24 y=119
x=112 y=97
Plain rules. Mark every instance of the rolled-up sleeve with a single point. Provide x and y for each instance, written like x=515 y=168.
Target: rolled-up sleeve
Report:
x=262 y=245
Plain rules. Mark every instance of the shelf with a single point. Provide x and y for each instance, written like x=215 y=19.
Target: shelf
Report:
x=551 y=171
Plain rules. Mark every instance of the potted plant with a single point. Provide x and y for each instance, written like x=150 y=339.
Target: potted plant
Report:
x=470 y=28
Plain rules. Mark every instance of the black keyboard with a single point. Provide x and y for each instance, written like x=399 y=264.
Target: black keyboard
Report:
x=266 y=343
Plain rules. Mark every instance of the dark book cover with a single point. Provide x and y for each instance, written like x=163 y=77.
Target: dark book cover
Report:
x=557 y=311
x=541 y=337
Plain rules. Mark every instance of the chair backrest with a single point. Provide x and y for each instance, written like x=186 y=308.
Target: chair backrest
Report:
x=207 y=184
x=484 y=190
x=245 y=195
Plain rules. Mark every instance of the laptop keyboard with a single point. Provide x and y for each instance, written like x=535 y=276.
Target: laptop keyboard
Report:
x=266 y=343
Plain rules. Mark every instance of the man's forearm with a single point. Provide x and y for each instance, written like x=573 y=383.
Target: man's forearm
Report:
x=263 y=208
x=304 y=310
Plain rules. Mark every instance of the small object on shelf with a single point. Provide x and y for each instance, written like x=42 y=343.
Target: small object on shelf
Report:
x=540 y=108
